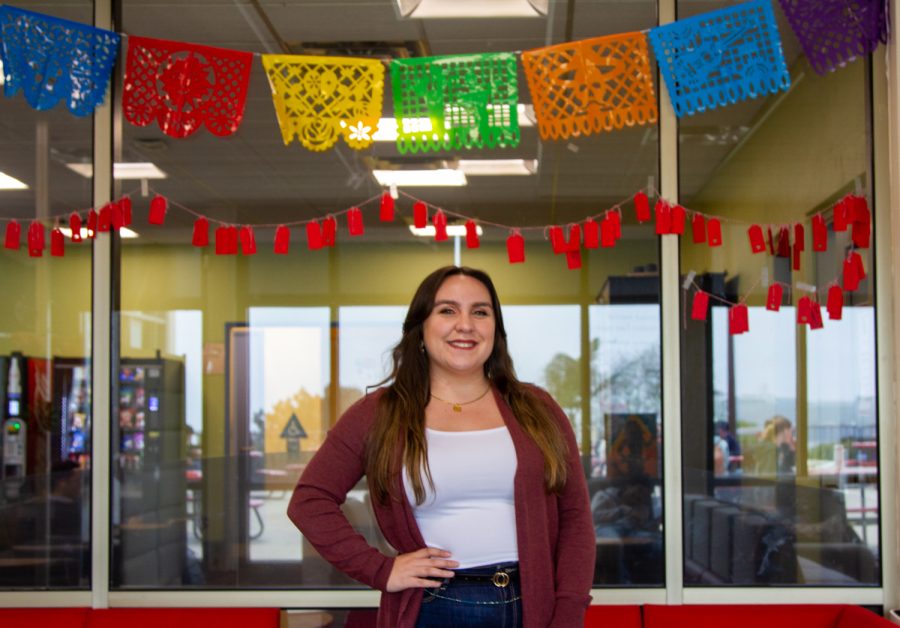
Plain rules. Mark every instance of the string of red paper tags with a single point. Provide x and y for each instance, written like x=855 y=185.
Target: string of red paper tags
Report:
x=851 y=212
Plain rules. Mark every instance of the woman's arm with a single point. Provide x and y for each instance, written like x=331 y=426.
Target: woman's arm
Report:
x=577 y=545
x=315 y=506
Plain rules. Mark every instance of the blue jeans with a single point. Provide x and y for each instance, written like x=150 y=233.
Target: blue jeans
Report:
x=458 y=604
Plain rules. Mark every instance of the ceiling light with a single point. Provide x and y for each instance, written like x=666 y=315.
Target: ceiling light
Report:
x=11 y=183
x=124 y=232
x=387 y=127
x=452 y=230
x=471 y=8
x=134 y=170
x=420 y=178
x=497 y=167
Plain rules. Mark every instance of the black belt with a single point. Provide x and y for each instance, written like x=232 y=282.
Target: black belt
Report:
x=500 y=578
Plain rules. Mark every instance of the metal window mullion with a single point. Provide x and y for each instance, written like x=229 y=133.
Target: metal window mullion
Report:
x=101 y=346
x=671 y=350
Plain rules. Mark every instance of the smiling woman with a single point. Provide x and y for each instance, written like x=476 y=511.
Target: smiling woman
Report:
x=516 y=446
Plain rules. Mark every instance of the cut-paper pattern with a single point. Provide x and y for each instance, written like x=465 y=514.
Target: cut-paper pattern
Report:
x=594 y=85
x=721 y=57
x=185 y=86
x=52 y=59
x=321 y=99
x=448 y=103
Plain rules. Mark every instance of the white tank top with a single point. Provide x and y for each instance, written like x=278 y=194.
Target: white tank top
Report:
x=471 y=513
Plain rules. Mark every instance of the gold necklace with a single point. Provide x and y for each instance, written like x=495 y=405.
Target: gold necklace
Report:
x=457 y=406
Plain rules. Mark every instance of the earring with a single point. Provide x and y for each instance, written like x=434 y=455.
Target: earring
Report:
x=421 y=346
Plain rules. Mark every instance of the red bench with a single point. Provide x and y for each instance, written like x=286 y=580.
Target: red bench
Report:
x=650 y=616
x=767 y=615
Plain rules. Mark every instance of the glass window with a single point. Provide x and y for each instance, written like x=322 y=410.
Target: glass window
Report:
x=45 y=348
x=779 y=423
x=248 y=360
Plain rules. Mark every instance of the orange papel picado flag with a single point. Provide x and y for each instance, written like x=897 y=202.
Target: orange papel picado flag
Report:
x=593 y=85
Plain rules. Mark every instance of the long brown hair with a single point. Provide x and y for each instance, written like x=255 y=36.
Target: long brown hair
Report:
x=400 y=414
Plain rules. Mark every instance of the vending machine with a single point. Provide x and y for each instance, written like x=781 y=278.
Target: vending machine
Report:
x=150 y=438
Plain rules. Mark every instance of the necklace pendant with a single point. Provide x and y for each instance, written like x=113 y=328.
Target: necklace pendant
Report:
x=457 y=407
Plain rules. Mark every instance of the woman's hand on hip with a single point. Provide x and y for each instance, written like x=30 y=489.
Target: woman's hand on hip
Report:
x=419 y=569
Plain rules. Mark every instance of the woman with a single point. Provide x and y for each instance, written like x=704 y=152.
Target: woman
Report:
x=475 y=478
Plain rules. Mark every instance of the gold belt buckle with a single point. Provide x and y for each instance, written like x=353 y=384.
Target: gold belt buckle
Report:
x=500 y=579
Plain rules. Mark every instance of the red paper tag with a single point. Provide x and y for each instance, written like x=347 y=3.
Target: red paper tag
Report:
x=663 y=217
x=248 y=240
x=796 y=260
x=283 y=237
x=591 y=234
x=233 y=237
x=616 y=220
x=440 y=226
x=642 y=207
x=355 y=221
x=116 y=216
x=858 y=263
x=125 y=206
x=815 y=315
x=773 y=299
x=803 y=307
x=799 y=237
x=92 y=224
x=819 y=233
x=515 y=248
x=835 y=305
x=770 y=240
x=36 y=242
x=201 y=232
x=557 y=241
x=757 y=240
x=738 y=322
x=104 y=218
x=329 y=231
x=221 y=240
x=57 y=243
x=678 y=217
x=574 y=242
x=784 y=242
x=607 y=233
x=841 y=215
x=158 y=207
x=472 y=241
x=573 y=259
x=420 y=215
x=714 y=232
x=698 y=228
x=13 y=235
x=700 y=306
x=387 y=208
x=861 y=234
x=75 y=227
x=851 y=273
x=315 y=239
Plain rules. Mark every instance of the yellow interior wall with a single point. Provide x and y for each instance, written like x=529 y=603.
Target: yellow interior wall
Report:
x=810 y=147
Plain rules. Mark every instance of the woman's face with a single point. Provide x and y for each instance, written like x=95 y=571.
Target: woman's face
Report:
x=459 y=332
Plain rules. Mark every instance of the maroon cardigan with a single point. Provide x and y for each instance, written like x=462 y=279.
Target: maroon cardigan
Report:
x=555 y=532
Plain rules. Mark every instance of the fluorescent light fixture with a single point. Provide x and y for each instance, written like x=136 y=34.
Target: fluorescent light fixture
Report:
x=387 y=127
x=11 y=183
x=134 y=170
x=124 y=232
x=442 y=177
x=471 y=8
x=452 y=230
x=497 y=167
